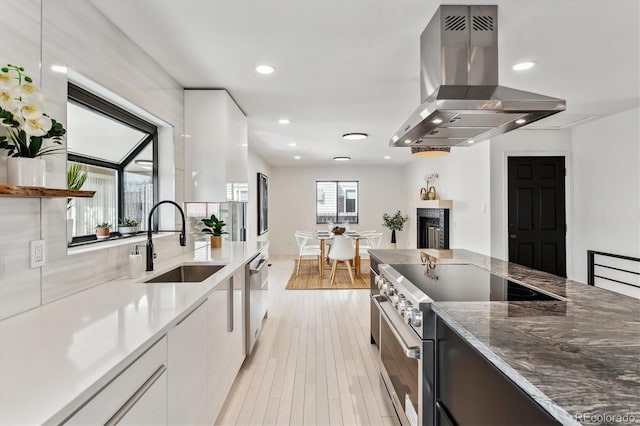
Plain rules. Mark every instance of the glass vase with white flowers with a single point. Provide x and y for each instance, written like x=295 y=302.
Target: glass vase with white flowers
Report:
x=26 y=127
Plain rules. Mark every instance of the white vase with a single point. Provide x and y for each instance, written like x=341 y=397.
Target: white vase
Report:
x=69 y=231
x=26 y=171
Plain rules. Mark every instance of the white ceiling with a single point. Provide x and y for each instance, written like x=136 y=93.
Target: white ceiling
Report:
x=353 y=65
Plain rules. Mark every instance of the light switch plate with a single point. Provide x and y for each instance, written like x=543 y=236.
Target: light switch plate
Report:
x=37 y=253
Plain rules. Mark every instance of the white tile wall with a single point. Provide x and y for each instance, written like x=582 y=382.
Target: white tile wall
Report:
x=74 y=34
x=19 y=284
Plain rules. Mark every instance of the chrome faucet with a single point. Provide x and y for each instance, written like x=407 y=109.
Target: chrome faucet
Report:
x=183 y=239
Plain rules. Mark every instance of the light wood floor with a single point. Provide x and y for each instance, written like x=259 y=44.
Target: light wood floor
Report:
x=313 y=363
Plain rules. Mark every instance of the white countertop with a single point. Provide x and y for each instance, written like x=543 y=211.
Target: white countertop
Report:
x=54 y=357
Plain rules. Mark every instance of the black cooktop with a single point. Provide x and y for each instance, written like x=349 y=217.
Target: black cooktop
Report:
x=466 y=283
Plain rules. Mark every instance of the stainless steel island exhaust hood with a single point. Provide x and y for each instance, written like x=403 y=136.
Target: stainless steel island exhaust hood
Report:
x=461 y=99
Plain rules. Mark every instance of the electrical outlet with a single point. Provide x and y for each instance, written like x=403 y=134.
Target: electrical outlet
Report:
x=37 y=253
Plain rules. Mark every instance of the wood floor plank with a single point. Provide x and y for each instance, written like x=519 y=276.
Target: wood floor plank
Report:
x=313 y=363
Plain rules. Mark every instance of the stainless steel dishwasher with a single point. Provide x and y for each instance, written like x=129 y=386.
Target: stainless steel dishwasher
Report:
x=256 y=292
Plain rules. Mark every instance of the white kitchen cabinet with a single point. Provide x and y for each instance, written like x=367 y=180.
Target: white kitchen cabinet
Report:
x=136 y=396
x=225 y=340
x=187 y=364
x=216 y=146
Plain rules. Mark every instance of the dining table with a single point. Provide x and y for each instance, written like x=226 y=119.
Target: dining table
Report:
x=324 y=236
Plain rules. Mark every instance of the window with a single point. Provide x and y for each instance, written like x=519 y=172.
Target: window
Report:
x=238 y=191
x=336 y=201
x=119 y=152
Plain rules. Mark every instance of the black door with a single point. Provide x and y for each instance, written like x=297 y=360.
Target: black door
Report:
x=537 y=224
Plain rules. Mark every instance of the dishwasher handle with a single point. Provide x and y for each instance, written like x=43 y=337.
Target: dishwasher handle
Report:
x=258 y=268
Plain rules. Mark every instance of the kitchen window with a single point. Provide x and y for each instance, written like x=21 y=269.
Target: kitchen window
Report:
x=119 y=153
x=336 y=202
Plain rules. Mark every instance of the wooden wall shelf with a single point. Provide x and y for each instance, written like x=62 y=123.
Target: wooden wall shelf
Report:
x=39 y=192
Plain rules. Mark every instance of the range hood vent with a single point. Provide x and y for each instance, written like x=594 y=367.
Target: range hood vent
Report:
x=461 y=98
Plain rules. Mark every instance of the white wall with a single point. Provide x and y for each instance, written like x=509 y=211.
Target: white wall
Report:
x=463 y=176
x=73 y=34
x=606 y=198
x=522 y=143
x=292 y=200
x=257 y=165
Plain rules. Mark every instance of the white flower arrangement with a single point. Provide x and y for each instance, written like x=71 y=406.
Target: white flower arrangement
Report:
x=22 y=114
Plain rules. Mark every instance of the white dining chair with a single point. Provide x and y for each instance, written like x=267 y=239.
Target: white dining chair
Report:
x=306 y=249
x=369 y=241
x=342 y=250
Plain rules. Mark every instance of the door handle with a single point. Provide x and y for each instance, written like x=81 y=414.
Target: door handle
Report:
x=513 y=236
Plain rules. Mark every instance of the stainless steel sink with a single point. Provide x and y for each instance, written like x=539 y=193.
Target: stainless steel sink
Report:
x=187 y=274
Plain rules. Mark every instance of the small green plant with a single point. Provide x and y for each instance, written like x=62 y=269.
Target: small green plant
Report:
x=103 y=225
x=395 y=222
x=127 y=222
x=76 y=177
x=215 y=226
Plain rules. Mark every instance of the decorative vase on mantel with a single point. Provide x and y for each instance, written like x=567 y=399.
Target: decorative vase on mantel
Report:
x=24 y=171
x=393 y=239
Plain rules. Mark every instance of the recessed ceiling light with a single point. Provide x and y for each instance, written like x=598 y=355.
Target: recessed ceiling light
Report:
x=292 y=144
x=186 y=135
x=437 y=120
x=284 y=121
x=521 y=121
x=471 y=141
x=265 y=69
x=342 y=158
x=386 y=157
x=59 y=68
x=144 y=163
x=245 y=144
x=524 y=65
x=355 y=136
x=408 y=141
x=297 y=157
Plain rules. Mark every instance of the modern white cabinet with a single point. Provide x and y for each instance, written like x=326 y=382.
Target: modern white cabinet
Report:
x=187 y=360
x=184 y=378
x=138 y=395
x=216 y=146
x=225 y=340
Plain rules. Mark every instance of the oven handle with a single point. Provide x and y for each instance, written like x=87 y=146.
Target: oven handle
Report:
x=409 y=351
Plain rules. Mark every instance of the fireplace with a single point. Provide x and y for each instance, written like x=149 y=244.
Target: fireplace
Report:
x=433 y=228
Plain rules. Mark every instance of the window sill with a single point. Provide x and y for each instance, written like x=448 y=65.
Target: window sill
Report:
x=115 y=242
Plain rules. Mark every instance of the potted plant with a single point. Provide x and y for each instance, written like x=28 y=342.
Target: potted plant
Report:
x=215 y=228
x=76 y=177
x=27 y=128
x=103 y=230
x=127 y=226
x=395 y=223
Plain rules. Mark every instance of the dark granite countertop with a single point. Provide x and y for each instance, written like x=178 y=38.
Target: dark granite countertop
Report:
x=579 y=359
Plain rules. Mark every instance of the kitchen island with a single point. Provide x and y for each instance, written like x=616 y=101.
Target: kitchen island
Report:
x=580 y=363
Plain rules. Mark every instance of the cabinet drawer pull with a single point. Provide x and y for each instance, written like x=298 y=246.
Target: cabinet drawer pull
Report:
x=230 y=305
x=115 y=419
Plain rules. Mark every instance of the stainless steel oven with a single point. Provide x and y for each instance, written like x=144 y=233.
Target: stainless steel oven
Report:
x=401 y=367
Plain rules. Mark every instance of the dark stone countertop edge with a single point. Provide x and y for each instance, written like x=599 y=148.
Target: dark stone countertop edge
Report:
x=543 y=400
